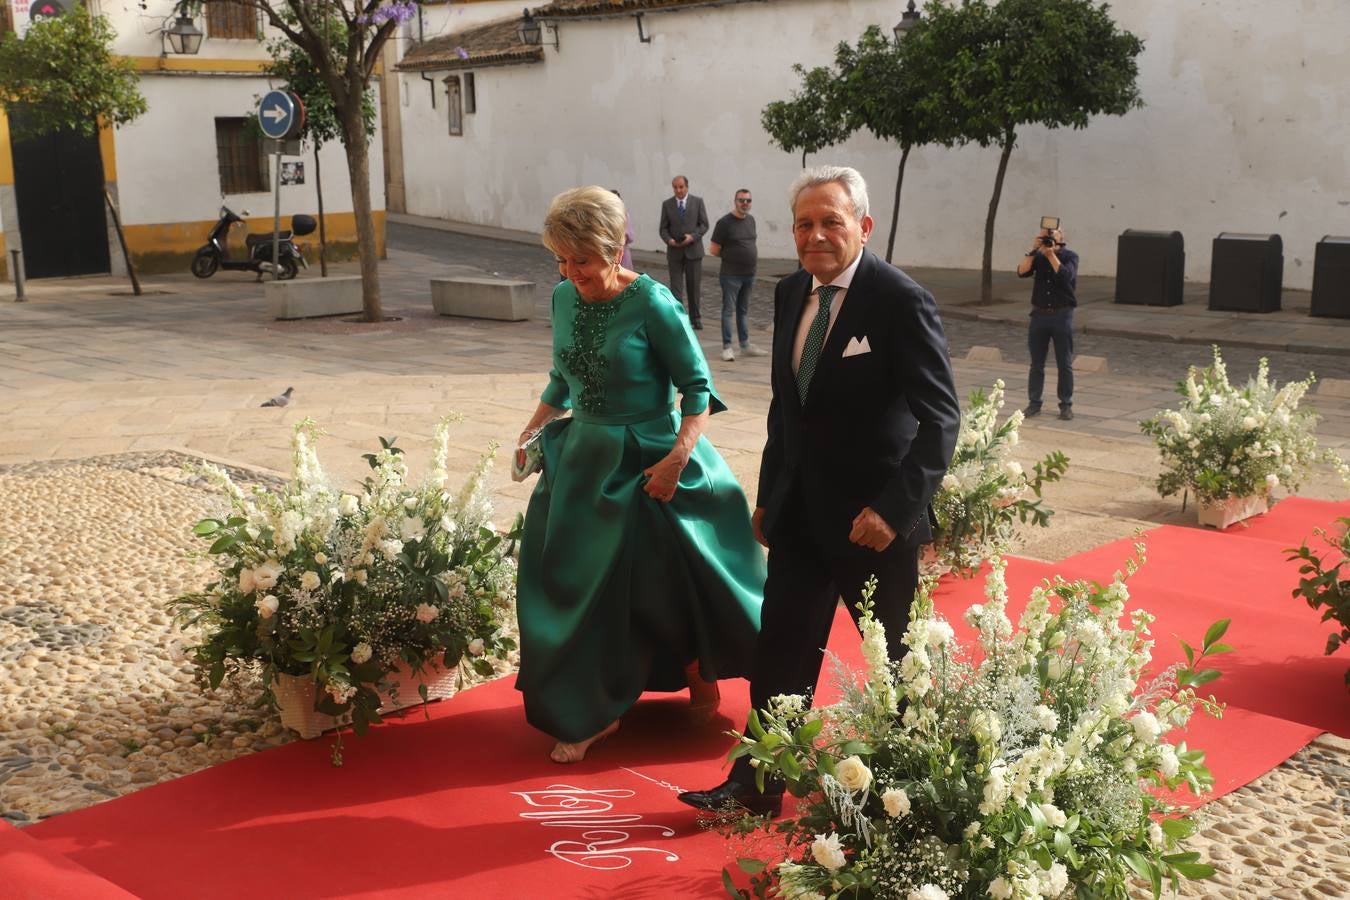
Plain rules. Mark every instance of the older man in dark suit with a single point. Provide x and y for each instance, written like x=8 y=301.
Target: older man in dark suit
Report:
x=684 y=221
x=862 y=426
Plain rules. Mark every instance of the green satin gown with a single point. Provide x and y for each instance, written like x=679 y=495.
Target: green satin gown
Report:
x=619 y=592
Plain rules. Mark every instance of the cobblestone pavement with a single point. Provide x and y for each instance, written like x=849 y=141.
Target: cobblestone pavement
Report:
x=102 y=394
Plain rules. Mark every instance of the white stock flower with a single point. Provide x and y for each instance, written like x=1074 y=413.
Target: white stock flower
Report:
x=1000 y=888
x=939 y=632
x=1046 y=718
x=266 y=575
x=853 y=774
x=1146 y=727
x=476 y=647
x=447 y=524
x=1168 y=764
x=267 y=606
x=246 y=584
x=1156 y=836
x=413 y=528
x=1054 y=880
x=349 y=505
x=1014 y=468
x=391 y=548
x=896 y=803
x=1054 y=815
x=972 y=615
x=426 y=612
x=928 y=892
x=361 y=653
x=787 y=706
x=827 y=851
x=309 y=581
x=410 y=503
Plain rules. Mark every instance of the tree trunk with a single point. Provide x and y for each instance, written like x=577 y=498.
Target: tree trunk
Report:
x=122 y=239
x=987 y=272
x=895 y=210
x=323 y=232
x=358 y=169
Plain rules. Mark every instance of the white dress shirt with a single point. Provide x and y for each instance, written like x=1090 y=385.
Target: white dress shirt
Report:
x=813 y=303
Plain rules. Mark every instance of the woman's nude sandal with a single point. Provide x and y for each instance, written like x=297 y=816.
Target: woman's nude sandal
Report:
x=704 y=696
x=575 y=753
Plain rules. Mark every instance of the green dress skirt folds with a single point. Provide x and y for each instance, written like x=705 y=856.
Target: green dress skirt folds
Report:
x=618 y=592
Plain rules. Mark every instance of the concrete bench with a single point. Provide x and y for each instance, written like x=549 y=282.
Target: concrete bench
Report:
x=302 y=298
x=483 y=298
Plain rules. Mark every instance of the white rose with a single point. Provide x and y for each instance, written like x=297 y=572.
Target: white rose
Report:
x=827 y=852
x=896 y=802
x=447 y=524
x=476 y=647
x=939 y=632
x=267 y=606
x=391 y=548
x=1055 y=880
x=1014 y=468
x=426 y=612
x=413 y=528
x=853 y=774
x=1054 y=815
x=266 y=575
x=1000 y=889
x=361 y=653
x=309 y=581
x=1249 y=422
x=246 y=580
x=972 y=615
x=410 y=503
x=349 y=505
x=950 y=482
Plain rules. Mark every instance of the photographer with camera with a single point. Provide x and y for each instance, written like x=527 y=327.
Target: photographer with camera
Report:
x=1055 y=270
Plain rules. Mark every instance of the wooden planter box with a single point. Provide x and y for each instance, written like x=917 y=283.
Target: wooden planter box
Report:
x=1223 y=513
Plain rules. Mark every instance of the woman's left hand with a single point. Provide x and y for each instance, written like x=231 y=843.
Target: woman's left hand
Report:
x=664 y=477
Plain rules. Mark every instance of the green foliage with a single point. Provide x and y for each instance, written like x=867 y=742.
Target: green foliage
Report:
x=64 y=77
x=295 y=67
x=813 y=119
x=1322 y=586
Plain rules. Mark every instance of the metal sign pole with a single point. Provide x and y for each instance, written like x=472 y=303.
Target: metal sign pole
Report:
x=276 y=217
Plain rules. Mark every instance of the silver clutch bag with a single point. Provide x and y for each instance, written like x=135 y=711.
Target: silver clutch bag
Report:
x=528 y=458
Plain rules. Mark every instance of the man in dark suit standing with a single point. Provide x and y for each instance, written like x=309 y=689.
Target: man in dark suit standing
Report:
x=684 y=221
x=862 y=426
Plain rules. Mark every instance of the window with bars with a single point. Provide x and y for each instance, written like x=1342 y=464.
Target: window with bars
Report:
x=454 y=96
x=241 y=156
x=230 y=20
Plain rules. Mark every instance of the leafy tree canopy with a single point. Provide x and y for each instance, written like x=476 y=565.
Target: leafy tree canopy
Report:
x=63 y=76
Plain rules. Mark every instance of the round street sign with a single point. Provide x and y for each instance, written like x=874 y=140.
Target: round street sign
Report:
x=280 y=115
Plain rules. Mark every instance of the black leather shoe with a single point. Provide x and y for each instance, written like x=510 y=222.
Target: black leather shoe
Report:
x=729 y=795
x=1031 y=411
x=1066 y=414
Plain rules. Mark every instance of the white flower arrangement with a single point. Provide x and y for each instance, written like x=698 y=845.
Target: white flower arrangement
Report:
x=986 y=493
x=343 y=587
x=1025 y=770
x=1224 y=441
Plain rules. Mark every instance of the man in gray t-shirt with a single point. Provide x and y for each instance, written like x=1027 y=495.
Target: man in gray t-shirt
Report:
x=733 y=239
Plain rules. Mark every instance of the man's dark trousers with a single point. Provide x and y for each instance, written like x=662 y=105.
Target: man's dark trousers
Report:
x=686 y=277
x=817 y=571
x=1054 y=326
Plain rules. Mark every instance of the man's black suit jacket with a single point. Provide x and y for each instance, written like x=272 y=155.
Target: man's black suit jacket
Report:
x=878 y=429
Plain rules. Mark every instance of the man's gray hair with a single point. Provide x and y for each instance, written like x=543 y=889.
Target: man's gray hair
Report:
x=850 y=179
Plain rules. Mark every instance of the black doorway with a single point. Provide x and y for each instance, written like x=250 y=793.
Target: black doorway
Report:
x=58 y=187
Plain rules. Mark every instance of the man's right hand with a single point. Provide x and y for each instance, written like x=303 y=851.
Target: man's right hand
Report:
x=757 y=522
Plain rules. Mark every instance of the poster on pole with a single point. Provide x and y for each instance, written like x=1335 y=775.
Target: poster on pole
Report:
x=24 y=13
x=292 y=173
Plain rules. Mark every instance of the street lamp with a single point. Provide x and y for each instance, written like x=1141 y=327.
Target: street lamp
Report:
x=908 y=19
x=183 y=36
x=529 y=32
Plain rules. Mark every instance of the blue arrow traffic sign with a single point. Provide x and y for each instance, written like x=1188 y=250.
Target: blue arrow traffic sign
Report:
x=279 y=115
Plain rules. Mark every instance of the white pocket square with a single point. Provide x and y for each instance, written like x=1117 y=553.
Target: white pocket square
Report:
x=857 y=347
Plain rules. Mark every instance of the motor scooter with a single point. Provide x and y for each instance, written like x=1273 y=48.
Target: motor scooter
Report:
x=214 y=254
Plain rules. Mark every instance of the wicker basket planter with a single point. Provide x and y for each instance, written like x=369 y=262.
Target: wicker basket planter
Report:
x=296 y=695
x=929 y=563
x=1223 y=513
x=401 y=686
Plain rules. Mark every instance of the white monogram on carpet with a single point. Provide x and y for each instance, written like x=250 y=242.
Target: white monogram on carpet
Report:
x=603 y=848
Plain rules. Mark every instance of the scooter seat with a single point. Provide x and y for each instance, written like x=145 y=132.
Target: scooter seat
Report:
x=254 y=240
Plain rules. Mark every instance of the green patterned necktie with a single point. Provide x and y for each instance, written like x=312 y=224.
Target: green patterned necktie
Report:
x=815 y=340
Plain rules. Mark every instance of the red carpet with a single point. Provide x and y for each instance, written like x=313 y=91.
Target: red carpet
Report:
x=468 y=804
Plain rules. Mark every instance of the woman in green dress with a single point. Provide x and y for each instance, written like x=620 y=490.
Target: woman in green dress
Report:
x=638 y=567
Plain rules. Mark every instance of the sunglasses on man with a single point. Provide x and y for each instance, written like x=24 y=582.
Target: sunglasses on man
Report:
x=744 y=200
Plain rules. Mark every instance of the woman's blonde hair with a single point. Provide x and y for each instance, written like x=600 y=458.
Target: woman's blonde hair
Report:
x=588 y=219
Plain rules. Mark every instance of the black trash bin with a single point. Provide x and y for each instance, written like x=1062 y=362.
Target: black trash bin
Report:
x=1245 y=272
x=1150 y=267
x=1331 y=278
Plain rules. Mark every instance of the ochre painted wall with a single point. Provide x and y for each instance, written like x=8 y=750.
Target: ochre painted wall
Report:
x=168 y=247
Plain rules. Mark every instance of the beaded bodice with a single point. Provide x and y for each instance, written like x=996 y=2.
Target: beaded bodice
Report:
x=586 y=358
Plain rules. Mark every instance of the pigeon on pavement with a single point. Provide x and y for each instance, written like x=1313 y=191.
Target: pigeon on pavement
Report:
x=280 y=399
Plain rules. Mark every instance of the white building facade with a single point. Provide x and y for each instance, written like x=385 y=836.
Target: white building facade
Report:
x=172 y=169
x=1245 y=128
